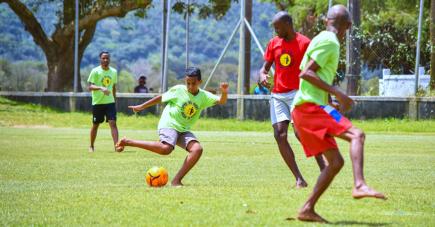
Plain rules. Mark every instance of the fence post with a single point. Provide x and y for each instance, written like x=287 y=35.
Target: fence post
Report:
x=413 y=108
x=72 y=101
x=241 y=77
x=353 y=50
x=417 y=57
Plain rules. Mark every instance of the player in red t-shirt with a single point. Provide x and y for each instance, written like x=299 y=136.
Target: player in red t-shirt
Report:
x=286 y=50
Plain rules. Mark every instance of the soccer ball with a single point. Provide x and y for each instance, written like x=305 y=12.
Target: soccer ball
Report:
x=157 y=176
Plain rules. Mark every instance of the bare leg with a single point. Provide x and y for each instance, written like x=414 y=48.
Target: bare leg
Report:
x=94 y=131
x=319 y=158
x=320 y=162
x=114 y=131
x=156 y=147
x=195 y=152
x=335 y=163
x=280 y=133
x=356 y=138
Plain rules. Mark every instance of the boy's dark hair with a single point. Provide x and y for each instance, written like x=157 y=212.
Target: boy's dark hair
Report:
x=193 y=72
x=104 y=52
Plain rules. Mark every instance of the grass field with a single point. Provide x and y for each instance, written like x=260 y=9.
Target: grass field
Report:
x=47 y=177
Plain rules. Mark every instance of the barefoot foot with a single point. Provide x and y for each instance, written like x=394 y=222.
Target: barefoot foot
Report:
x=301 y=184
x=119 y=146
x=364 y=191
x=176 y=184
x=91 y=149
x=310 y=215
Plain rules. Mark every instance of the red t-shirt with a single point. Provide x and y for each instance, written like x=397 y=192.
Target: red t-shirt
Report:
x=287 y=56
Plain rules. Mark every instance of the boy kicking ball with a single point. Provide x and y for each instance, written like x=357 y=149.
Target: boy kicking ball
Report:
x=184 y=106
x=317 y=123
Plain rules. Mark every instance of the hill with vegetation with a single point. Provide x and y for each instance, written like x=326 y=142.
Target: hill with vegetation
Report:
x=135 y=44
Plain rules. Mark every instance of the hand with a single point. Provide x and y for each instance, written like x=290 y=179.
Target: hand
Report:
x=224 y=87
x=105 y=90
x=264 y=79
x=345 y=102
x=335 y=105
x=135 y=108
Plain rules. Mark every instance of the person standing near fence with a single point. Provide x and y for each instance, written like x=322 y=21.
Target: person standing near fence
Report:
x=317 y=122
x=285 y=51
x=102 y=83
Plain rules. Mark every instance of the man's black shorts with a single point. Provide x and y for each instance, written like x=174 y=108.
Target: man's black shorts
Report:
x=103 y=110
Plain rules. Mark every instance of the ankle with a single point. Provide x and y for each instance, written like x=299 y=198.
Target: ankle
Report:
x=300 y=179
x=359 y=184
x=307 y=207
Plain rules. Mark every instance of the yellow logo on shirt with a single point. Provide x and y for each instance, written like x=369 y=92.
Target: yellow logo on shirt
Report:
x=285 y=59
x=106 y=81
x=189 y=109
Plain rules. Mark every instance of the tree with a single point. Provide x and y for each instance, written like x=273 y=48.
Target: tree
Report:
x=432 y=50
x=388 y=31
x=59 y=46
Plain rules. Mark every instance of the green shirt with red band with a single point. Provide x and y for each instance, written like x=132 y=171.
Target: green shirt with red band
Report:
x=183 y=108
x=103 y=78
x=324 y=49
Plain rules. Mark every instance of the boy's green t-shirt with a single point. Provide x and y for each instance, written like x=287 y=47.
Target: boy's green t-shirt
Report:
x=183 y=108
x=105 y=78
x=324 y=49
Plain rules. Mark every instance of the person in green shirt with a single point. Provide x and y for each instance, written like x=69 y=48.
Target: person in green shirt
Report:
x=184 y=104
x=318 y=123
x=102 y=83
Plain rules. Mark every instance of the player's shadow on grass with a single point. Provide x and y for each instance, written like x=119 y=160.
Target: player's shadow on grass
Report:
x=359 y=223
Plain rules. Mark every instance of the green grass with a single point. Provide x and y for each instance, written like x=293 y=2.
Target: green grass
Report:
x=15 y=114
x=47 y=177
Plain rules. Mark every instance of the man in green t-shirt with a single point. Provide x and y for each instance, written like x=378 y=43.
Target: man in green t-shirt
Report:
x=102 y=83
x=184 y=104
x=317 y=122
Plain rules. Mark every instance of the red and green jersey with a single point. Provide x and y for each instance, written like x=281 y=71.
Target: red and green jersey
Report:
x=287 y=56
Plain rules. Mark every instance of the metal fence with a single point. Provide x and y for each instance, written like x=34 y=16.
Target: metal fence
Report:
x=386 y=42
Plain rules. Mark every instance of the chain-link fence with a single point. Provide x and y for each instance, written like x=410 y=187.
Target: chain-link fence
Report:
x=388 y=35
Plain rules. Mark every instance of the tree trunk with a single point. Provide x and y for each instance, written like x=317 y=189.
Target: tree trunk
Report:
x=309 y=24
x=59 y=48
x=60 y=63
x=432 y=40
x=61 y=72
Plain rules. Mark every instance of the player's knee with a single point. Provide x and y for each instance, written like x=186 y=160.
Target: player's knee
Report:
x=360 y=135
x=337 y=164
x=112 y=124
x=166 y=149
x=280 y=135
x=196 y=149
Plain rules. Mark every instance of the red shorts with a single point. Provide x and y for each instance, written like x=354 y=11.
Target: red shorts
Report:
x=317 y=125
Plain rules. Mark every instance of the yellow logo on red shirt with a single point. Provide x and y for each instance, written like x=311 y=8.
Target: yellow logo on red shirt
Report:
x=285 y=59
x=189 y=110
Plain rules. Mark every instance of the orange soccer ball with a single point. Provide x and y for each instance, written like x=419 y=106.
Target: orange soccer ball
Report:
x=157 y=177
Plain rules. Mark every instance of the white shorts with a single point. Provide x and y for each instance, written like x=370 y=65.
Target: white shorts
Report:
x=173 y=137
x=280 y=106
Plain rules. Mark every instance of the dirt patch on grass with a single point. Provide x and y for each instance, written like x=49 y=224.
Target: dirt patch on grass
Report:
x=32 y=126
